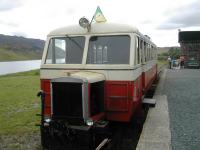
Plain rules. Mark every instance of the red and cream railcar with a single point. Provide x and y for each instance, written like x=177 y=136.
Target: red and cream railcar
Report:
x=91 y=77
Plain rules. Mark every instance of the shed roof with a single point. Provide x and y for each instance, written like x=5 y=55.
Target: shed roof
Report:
x=186 y=36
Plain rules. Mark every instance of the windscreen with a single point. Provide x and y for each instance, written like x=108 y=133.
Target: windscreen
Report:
x=109 y=50
x=66 y=50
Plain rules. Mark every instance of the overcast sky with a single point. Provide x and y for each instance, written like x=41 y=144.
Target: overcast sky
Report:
x=160 y=19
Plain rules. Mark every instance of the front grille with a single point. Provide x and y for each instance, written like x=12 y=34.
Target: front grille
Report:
x=67 y=100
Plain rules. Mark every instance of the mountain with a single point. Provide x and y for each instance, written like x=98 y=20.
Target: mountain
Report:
x=163 y=50
x=20 y=48
x=166 y=49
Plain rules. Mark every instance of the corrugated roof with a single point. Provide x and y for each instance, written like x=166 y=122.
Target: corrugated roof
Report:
x=186 y=36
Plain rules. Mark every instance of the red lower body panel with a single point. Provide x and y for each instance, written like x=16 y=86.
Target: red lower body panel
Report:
x=148 y=77
x=45 y=86
x=122 y=99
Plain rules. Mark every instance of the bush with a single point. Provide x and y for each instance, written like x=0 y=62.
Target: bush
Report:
x=173 y=52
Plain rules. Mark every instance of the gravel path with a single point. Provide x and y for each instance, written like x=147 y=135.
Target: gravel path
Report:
x=27 y=141
x=182 y=88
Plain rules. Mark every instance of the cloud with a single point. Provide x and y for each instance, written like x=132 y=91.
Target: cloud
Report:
x=147 y=21
x=71 y=11
x=9 y=4
x=187 y=16
x=11 y=24
x=22 y=34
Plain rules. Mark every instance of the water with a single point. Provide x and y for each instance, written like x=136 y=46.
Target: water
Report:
x=18 y=66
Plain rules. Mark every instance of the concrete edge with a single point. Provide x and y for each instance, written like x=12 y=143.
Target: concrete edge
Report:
x=156 y=132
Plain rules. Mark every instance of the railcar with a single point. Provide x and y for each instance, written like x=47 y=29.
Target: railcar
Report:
x=90 y=78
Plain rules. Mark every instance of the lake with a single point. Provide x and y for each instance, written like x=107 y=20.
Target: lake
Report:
x=18 y=66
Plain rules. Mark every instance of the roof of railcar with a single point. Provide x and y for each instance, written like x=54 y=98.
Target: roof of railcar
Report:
x=96 y=28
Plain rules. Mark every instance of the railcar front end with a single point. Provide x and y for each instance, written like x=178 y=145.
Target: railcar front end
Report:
x=89 y=79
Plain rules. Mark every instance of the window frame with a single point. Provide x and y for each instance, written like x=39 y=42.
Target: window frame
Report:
x=84 y=66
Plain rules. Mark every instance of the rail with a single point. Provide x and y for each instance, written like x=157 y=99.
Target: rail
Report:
x=160 y=69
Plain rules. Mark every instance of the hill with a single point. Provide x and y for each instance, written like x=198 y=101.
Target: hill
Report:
x=20 y=48
x=165 y=49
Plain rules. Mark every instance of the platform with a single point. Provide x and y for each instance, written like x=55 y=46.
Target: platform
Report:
x=156 y=133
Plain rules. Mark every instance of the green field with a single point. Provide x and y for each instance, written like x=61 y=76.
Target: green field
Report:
x=161 y=63
x=9 y=55
x=18 y=106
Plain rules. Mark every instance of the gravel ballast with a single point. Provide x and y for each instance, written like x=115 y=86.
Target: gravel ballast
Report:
x=182 y=88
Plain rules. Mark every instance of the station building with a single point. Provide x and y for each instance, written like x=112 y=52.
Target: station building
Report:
x=190 y=47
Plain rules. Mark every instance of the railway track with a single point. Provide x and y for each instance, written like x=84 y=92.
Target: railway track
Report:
x=125 y=137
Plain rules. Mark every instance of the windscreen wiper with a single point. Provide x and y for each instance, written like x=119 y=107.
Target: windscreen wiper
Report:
x=76 y=43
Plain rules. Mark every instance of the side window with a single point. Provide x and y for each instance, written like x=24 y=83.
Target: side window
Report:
x=149 y=51
x=154 y=52
x=141 y=50
x=137 y=52
x=145 y=51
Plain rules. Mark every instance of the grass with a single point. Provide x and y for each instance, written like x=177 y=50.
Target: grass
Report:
x=18 y=103
x=9 y=55
x=161 y=63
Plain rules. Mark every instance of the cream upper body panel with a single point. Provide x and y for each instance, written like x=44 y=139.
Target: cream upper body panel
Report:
x=93 y=75
x=89 y=76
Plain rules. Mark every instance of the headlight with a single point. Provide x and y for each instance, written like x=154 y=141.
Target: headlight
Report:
x=89 y=122
x=47 y=120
